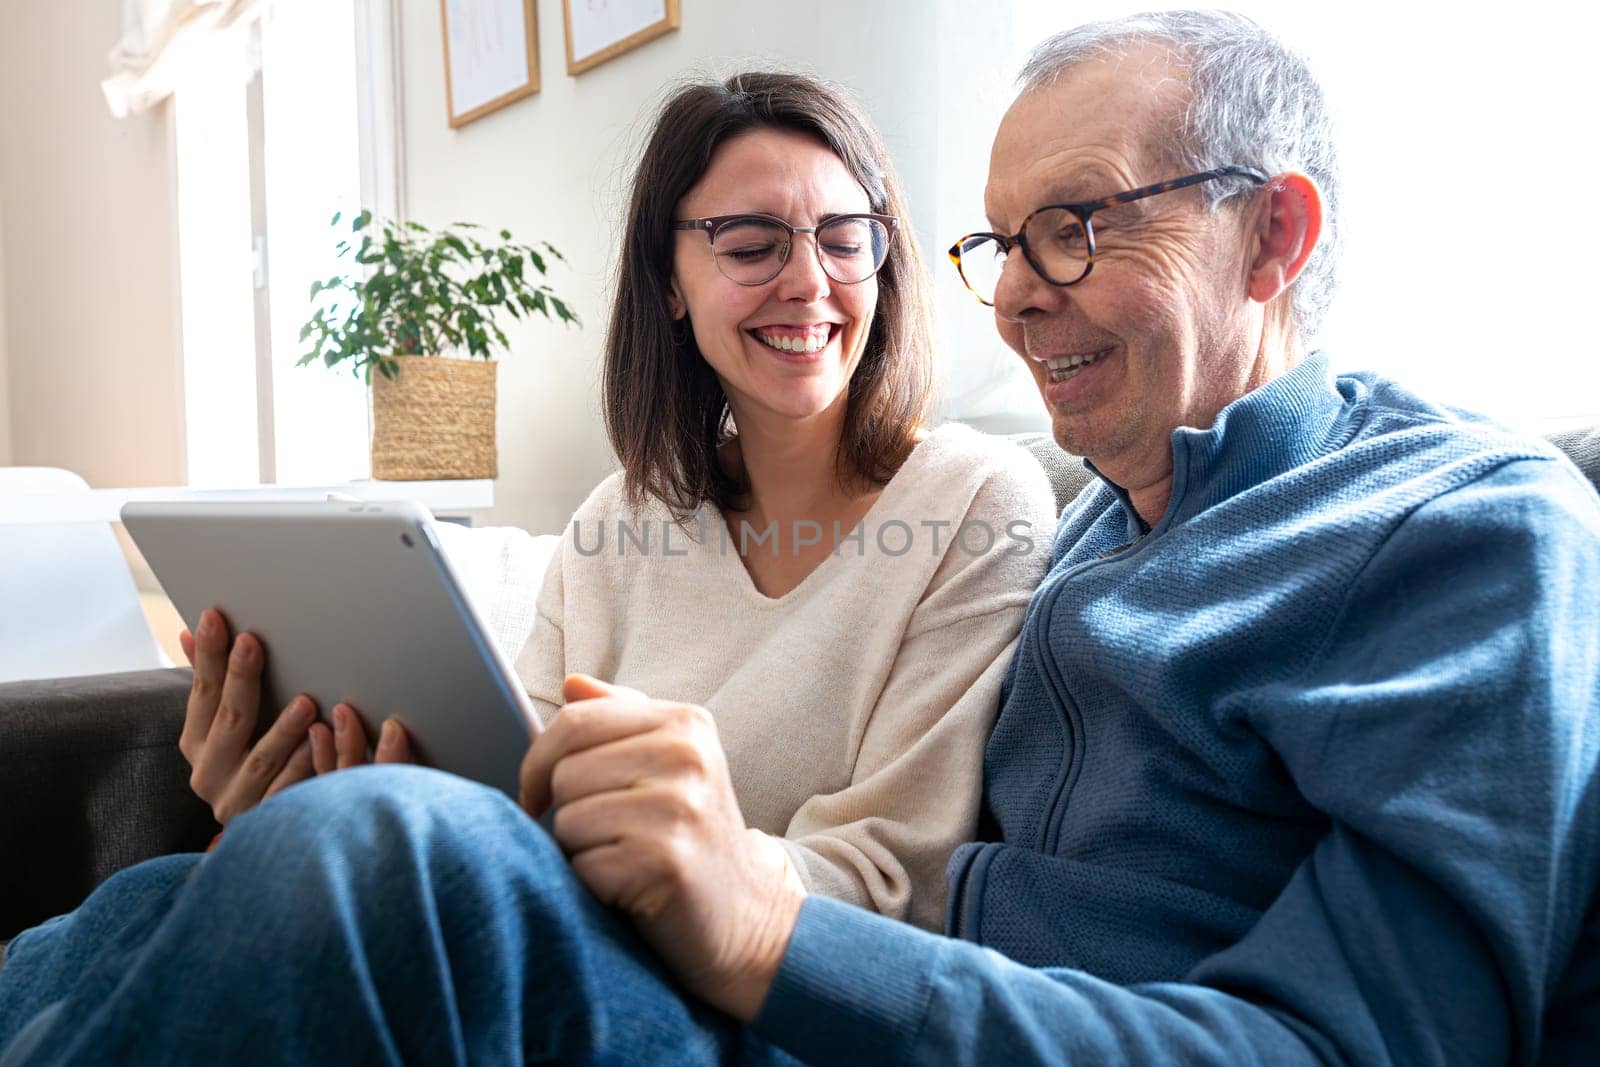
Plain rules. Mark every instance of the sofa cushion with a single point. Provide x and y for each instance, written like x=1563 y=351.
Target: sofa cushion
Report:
x=91 y=780
x=1583 y=448
x=501 y=569
x=1066 y=472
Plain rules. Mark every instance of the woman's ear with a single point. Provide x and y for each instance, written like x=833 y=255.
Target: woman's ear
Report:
x=675 y=303
x=1285 y=234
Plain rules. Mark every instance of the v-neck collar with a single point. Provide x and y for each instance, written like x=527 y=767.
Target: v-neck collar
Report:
x=719 y=543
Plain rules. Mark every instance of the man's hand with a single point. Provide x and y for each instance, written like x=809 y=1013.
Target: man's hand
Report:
x=646 y=811
x=226 y=770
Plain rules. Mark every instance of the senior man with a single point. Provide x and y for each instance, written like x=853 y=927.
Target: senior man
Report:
x=1296 y=762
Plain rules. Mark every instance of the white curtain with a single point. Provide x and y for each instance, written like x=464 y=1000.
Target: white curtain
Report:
x=162 y=39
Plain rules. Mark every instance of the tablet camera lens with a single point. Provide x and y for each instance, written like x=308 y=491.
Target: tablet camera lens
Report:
x=405 y=539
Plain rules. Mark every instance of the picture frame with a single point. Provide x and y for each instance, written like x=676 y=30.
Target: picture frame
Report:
x=491 y=56
x=601 y=30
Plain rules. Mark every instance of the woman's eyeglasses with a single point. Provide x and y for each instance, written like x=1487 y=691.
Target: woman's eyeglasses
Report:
x=751 y=249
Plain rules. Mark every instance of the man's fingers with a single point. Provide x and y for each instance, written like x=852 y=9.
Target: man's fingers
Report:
x=268 y=757
x=588 y=723
x=186 y=642
x=580 y=726
x=620 y=877
x=603 y=818
x=578 y=687
x=623 y=763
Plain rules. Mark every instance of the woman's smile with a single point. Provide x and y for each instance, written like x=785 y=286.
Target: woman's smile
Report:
x=795 y=340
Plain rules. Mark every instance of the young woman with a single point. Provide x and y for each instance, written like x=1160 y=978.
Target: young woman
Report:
x=766 y=383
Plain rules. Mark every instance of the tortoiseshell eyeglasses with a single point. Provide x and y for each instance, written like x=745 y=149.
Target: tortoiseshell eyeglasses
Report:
x=1057 y=240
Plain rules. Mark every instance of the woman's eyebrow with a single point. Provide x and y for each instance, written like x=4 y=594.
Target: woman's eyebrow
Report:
x=822 y=219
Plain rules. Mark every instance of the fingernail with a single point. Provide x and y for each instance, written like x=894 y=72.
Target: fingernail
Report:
x=387 y=737
x=208 y=623
x=341 y=719
x=300 y=712
x=242 y=653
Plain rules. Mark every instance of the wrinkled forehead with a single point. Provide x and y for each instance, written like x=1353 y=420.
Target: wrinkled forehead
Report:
x=1102 y=127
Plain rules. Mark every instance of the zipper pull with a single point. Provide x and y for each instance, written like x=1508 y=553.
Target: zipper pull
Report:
x=1120 y=548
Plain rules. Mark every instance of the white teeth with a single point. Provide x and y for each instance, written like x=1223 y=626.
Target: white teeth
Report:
x=1068 y=366
x=811 y=342
x=1067 y=362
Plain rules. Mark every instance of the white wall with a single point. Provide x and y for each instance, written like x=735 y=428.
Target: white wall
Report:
x=90 y=321
x=555 y=167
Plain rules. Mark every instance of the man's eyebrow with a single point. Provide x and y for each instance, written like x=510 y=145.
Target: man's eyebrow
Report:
x=1083 y=187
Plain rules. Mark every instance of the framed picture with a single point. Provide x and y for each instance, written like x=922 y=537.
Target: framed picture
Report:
x=598 y=30
x=491 y=56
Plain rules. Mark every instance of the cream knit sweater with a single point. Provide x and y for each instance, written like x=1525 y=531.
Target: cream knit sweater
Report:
x=854 y=709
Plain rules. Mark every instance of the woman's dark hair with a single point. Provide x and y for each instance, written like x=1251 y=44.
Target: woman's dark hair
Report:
x=665 y=410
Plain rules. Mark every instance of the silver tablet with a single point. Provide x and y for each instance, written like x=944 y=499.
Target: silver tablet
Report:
x=353 y=602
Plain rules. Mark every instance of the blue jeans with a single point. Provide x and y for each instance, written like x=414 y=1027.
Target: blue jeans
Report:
x=378 y=915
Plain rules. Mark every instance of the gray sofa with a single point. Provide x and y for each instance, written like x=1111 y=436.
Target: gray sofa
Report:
x=91 y=779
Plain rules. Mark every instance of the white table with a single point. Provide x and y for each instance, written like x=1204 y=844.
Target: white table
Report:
x=105 y=505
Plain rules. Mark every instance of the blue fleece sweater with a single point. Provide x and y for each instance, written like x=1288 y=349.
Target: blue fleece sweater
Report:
x=1308 y=771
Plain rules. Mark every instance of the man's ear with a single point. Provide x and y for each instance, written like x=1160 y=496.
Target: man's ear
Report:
x=1286 y=231
x=675 y=303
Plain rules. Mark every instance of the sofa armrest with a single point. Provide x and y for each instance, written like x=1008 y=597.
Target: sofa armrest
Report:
x=91 y=780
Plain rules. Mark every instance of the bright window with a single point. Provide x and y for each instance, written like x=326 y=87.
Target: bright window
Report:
x=308 y=53
x=215 y=270
x=249 y=254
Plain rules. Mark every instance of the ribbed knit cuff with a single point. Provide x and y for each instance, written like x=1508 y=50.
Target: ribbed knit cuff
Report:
x=852 y=988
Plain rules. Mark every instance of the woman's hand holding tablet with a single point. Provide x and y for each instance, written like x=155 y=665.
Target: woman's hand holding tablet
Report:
x=230 y=771
x=347 y=608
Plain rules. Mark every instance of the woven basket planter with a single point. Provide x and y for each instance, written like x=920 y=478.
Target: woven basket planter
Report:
x=436 y=420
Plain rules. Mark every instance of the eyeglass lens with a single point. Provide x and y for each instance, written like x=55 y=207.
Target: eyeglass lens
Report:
x=751 y=251
x=1056 y=240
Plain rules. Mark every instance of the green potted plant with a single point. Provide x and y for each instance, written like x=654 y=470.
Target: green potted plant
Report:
x=415 y=296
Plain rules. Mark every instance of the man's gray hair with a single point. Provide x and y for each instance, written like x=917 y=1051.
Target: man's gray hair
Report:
x=1253 y=101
